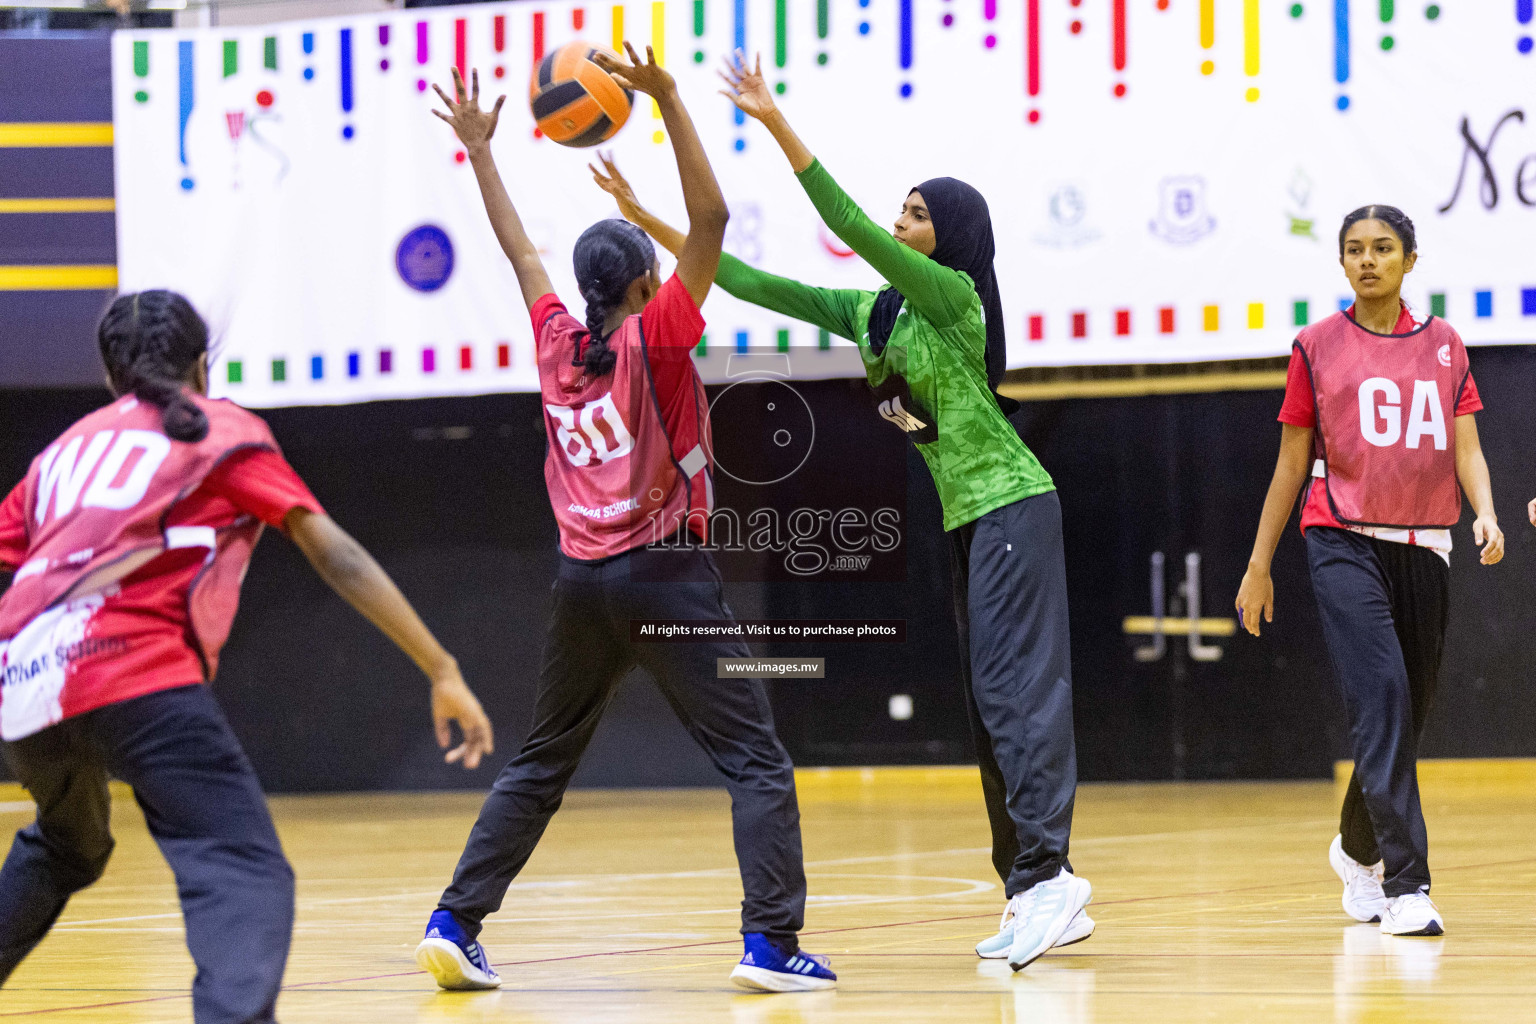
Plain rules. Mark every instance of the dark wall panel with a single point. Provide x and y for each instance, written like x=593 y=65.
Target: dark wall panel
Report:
x=46 y=336
x=460 y=517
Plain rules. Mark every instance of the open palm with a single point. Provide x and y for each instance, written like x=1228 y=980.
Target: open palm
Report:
x=616 y=185
x=746 y=86
x=473 y=126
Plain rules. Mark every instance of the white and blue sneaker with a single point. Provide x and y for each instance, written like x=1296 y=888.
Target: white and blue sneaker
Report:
x=998 y=945
x=454 y=959
x=767 y=968
x=1042 y=914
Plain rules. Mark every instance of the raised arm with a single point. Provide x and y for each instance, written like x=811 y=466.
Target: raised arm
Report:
x=352 y=573
x=474 y=128
x=832 y=309
x=1256 y=595
x=1472 y=472
x=941 y=294
x=699 y=254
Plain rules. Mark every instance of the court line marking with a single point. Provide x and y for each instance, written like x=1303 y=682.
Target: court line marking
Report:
x=309 y=985
x=706 y=872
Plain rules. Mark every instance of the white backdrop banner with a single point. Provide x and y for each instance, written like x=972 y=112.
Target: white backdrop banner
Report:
x=1166 y=177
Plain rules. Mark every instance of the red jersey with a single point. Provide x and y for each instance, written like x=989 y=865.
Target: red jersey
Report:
x=161 y=625
x=629 y=457
x=1300 y=409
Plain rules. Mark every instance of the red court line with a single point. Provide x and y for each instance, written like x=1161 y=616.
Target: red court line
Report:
x=824 y=931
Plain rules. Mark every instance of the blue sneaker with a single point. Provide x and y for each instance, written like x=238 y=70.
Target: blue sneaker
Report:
x=766 y=968
x=456 y=961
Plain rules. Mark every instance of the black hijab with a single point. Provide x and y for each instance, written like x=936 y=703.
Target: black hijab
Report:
x=962 y=228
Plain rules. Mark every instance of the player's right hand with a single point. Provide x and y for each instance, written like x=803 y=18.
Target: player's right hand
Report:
x=616 y=185
x=473 y=126
x=452 y=701
x=1255 y=598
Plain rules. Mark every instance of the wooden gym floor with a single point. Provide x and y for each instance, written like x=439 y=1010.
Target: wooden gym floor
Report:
x=1214 y=902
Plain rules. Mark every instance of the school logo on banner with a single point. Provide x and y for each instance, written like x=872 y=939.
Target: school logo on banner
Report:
x=1182 y=217
x=1067 y=210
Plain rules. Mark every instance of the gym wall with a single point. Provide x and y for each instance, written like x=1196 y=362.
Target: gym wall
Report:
x=449 y=494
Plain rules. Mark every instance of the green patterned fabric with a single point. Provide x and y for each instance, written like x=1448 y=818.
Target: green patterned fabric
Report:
x=938 y=347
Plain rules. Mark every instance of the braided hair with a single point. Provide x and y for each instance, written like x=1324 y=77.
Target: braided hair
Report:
x=609 y=257
x=149 y=341
x=1391 y=216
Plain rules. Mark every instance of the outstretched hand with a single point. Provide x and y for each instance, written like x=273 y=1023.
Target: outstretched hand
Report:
x=473 y=126
x=616 y=185
x=746 y=87
x=648 y=77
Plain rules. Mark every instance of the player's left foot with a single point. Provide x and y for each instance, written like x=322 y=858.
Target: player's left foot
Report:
x=1412 y=914
x=454 y=959
x=998 y=945
x=767 y=968
x=1042 y=914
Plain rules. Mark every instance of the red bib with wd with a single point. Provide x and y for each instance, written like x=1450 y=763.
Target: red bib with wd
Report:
x=614 y=481
x=100 y=503
x=1386 y=421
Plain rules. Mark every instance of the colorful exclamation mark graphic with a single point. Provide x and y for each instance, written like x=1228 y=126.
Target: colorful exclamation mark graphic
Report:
x=1032 y=57
x=461 y=47
x=1387 y=10
x=1118 y=47
x=141 y=68
x=384 y=46
x=499 y=42
x=269 y=53
x=1341 y=49
x=618 y=28
x=1251 y=45
x=823 y=26
x=658 y=47
x=422 y=53
x=1523 y=16
x=739 y=43
x=1207 y=33
x=538 y=55
x=989 y=14
x=903 y=45
x=347 y=96
x=308 y=43
x=698 y=30
x=184 y=77
x=231 y=57
x=780 y=41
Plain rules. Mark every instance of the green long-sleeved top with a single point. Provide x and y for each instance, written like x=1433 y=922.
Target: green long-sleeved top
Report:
x=938 y=347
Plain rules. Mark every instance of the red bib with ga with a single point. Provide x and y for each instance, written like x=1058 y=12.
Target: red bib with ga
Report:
x=614 y=481
x=100 y=502
x=1386 y=421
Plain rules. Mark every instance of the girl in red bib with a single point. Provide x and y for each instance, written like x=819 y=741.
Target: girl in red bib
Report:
x=1378 y=422
x=128 y=541
x=629 y=475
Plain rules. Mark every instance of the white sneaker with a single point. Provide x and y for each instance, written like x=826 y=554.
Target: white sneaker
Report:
x=1042 y=914
x=1412 y=914
x=1363 y=898
x=997 y=947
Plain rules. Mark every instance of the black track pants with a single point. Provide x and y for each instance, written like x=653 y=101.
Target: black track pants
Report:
x=1010 y=581
x=205 y=808
x=587 y=652
x=1384 y=607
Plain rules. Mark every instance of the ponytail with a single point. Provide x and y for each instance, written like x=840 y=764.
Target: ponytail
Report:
x=609 y=257
x=149 y=343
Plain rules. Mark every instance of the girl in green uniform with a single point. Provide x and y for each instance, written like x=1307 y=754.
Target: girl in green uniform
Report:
x=932 y=345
